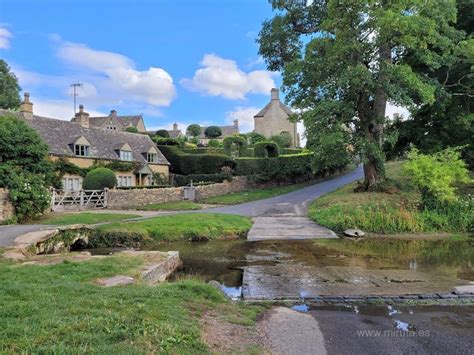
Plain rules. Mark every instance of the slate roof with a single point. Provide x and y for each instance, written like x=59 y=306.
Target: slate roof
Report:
x=226 y=131
x=264 y=110
x=175 y=133
x=60 y=136
x=114 y=120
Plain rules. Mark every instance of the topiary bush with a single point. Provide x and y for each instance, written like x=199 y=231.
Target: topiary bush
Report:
x=163 y=133
x=234 y=141
x=283 y=140
x=166 y=141
x=213 y=132
x=99 y=179
x=266 y=150
x=214 y=143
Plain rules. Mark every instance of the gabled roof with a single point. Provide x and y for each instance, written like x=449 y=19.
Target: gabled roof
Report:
x=175 y=133
x=61 y=135
x=121 y=122
x=264 y=110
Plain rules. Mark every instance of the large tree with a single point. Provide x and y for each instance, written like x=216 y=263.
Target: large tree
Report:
x=343 y=61
x=9 y=88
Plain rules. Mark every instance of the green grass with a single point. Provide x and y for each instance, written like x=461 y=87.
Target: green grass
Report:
x=189 y=226
x=58 y=309
x=252 y=195
x=84 y=218
x=172 y=206
x=384 y=213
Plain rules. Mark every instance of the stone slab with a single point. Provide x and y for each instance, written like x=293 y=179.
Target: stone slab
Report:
x=119 y=280
x=287 y=228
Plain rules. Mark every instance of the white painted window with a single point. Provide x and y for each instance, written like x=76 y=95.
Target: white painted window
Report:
x=125 y=155
x=124 y=181
x=72 y=184
x=152 y=157
x=81 y=150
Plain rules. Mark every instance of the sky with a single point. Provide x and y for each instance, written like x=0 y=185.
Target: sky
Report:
x=173 y=61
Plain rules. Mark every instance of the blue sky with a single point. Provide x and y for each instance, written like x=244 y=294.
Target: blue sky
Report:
x=174 y=61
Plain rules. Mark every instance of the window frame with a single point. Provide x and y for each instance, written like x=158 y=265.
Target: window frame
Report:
x=81 y=150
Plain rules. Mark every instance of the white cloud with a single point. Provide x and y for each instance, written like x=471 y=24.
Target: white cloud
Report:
x=222 y=77
x=245 y=117
x=391 y=109
x=5 y=37
x=60 y=109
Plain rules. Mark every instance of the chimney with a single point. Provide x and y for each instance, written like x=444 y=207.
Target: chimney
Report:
x=236 y=123
x=113 y=113
x=82 y=117
x=275 y=94
x=175 y=126
x=26 y=106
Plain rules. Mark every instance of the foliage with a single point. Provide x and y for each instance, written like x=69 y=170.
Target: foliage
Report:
x=84 y=218
x=166 y=141
x=185 y=164
x=283 y=140
x=194 y=130
x=214 y=143
x=99 y=179
x=24 y=167
x=184 y=180
x=234 y=142
x=9 y=88
x=131 y=129
x=341 y=64
x=196 y=226
x=266 y=149
x=213 y=132
x=163 y=133
x=291 y=151
x=204 y=150
x=254 y=137
x=436 y=175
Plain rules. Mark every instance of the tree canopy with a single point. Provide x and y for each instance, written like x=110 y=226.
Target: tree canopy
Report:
x=9 y=88
x=213 y=132
x=342 y=62
x=163 y=133
x=194 y=130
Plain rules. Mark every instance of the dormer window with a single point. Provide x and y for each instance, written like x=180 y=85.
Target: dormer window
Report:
x=152 y=157
x=125 y=155
x=81 y=150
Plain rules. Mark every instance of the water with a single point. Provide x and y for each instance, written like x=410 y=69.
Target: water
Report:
x=303 y=269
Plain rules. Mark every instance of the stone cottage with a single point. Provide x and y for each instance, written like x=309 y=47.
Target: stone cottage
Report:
x=227 y=131
x=115 y=122
x=273 y=119
x=84 y=145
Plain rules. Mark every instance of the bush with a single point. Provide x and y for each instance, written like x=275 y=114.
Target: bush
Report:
x=184 y=180
x=131 y=129
x=163 y=133
x=436 y=175
x=194 y=130
x=204 y=150
x=266 y=149
x=255 y=138
x=99 y=179
x=166 y=141
x=291 y=151
x=213 y=132
x=186 y=164
x=214 y=143
x=234 y=141
x=283 y=140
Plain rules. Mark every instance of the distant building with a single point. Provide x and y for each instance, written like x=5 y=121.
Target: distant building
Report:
x=175 y=132
x=226 y=132
x=273 y=119
x=84 y=144
x=115 y=122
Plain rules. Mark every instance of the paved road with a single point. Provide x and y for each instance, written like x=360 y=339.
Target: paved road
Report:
x=9 y=233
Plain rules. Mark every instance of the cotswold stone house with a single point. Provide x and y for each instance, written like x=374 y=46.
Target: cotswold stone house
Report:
x=226 y=132
x=115 y=122
x=273 y=119
x=85 y=145
x=175 y=132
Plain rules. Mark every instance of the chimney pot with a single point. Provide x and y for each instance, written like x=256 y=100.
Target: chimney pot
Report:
x=175 y=126
x=236 y=123
x=26 y=106
x=275 y=93
x=81 y=108
x=113 y=112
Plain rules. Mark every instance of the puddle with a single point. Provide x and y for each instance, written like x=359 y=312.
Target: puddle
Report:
x=304 y=269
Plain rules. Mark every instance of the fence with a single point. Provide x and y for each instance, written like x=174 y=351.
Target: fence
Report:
x=78 y=200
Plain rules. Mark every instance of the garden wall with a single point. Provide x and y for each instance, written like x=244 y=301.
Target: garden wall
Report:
x=7 y=211
x=141 y=197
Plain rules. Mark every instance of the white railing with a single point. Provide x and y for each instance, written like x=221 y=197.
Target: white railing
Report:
x=78 y=200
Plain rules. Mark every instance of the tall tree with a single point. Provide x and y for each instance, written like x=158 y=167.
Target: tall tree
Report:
x=343 y=60
x=9 y=88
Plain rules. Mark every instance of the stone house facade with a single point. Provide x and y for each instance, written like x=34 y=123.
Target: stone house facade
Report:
x=273 y=119
x=227 y=131
x=115 y=122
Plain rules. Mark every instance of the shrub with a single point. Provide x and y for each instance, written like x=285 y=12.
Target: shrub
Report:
x=131 y=129
x=214 y=143
x=194 y=130
x=283 y=140
x=234 y=141
x=255 y=138
x=204 y=150
x=99 y=179
x=184 y=180
x=186 y=164
x=436 y=175
x=266 y=149
x=213 y=132
x=291 y=151
x=166 y=141
x=163 y=133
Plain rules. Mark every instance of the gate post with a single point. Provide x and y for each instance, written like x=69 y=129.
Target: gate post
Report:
x=53 y=198
x=81 y=205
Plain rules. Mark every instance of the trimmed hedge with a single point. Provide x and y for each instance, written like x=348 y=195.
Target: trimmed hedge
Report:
x=204 y=150
x=291 y=151
x=266 y=149
x=186 y=164
x=165 y=141
x=184 y=180
x=237 y=140
x=99 y=178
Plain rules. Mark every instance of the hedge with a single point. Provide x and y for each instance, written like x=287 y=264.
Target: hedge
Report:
x=266 y=149
x=240 y=142
x=291 y=151
x=184 y=180
x=205 y=150
x=186 y=164
x=99 y=178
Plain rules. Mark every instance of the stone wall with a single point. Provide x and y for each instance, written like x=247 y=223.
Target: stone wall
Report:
x=7 y=210
x=119 y=199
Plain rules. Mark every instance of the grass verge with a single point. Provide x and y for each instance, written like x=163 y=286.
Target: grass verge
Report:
x=61 y=219
x=172 y=206
x=384 y=213
x=58 y=309
x=187 y=226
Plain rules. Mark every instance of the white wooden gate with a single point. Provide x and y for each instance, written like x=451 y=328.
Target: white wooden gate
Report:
x=78 y=200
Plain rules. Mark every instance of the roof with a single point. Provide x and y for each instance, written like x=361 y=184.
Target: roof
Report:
x=264 y=110
x=113 y=119
x=60 y=136
x=226 y=131
x=175 y=133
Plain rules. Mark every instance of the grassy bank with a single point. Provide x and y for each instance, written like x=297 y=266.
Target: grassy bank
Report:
x=384 y=213
x=59 y=309
x=60 y=219
x=172 y=206
x=187 y=226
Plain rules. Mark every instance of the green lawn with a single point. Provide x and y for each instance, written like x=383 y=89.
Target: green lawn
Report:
x=58 y=309
x=172 y=206
x=384 y=213
x=252 y=195
x=189 y=226
x=61 y=219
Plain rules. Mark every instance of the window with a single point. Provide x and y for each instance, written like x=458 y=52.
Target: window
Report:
x=125 y=155
x=81 y=150
x=152 y=157
x=124 y=181
x=72 y=184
